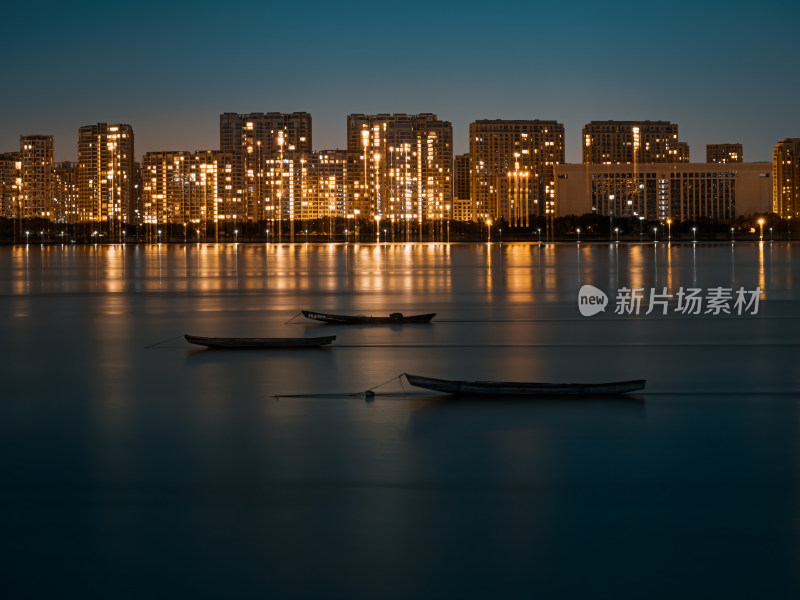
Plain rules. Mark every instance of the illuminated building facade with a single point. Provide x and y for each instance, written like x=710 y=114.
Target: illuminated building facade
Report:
x=786 y=178
x=724 y=153
x=105 y=176
x=10 y=184
x=191 y=190
x=461 y=177
x=462 y=209
x=271 y=153
x=399 y=167
x=329 y=182
x=36 y=158
x=632 y=142
x=512 y=169
x=65 y=195
x=661 y=191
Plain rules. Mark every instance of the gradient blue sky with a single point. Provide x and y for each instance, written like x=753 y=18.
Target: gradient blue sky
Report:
x=724 y=71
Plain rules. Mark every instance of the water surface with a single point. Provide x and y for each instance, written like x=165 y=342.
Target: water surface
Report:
x=131 y=461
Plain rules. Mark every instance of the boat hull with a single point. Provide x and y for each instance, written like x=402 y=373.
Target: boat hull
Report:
x=395 y=319
x=256 y=343
x=498 y=388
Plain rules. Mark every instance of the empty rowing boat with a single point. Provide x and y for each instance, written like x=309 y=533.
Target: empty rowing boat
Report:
x=253 y=343
x=393 y=319
x=503 y=388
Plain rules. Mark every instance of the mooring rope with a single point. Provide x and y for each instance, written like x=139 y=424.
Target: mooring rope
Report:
x=398 y=377
x=368 y=394
x=293 y=318
x=157 y=344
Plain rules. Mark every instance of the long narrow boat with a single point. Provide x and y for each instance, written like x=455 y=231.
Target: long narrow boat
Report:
x=393 y=319
x=503 y=388
x=254 y=343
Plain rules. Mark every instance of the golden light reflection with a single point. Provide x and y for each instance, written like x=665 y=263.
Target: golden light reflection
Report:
x=636 y=266
x=670 y=285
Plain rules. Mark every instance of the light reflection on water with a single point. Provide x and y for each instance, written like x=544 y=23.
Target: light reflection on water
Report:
x=128 y=453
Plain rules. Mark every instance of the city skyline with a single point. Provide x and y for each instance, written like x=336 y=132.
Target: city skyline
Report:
x=183 y=65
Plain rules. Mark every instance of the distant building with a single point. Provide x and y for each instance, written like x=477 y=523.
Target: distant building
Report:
x=271 y=152
x=462 y=209
x=10 y=184
x=632 y=142
x=329 y=182
x=273 y=132
x=193 y=190
x=36 y=157
x=661 y=191
x=399 y=166
x=724 y=153
x=461 y=177
x=105 y=176
x=65 y=194
x=512 y=168
x=786 y=178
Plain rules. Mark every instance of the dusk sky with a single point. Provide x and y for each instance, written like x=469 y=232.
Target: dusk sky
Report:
x=723 y=71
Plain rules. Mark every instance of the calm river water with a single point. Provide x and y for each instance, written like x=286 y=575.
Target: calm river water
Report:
x=135 y=465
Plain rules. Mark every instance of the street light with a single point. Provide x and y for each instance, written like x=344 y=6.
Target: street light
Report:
x=489 y=229
x=732 y=238
x=616 y=230
x=789 y=227
x=669 y=229
x=235 y=236
x=27 y=236
x=539 y=231
x=770 y=235
x=579 y=234
x=641 y=228
x=761 y=224
x=694 y=234
x=655 y=234
x=610 y=214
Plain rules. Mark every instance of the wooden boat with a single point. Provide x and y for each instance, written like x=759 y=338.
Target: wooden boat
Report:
x=393 y=319
x=254 y=343
x=502 y=388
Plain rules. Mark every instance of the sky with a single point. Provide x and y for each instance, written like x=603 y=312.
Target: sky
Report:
x=723 y=71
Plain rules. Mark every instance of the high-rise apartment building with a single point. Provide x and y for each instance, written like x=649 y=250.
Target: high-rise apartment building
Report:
x=399 y=167
x=271 y=153
x=786 y=178
x=273 y=132
x=329 y=181
x=632 y=142
x=65 y=192
x=105 y=176
x=512 y=168
x=36 y=156
x=10 y=184
x=461 y=177
x=190 y=190
x=724 y=153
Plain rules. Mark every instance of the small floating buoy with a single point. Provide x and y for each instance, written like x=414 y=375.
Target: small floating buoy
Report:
x=369 y=395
